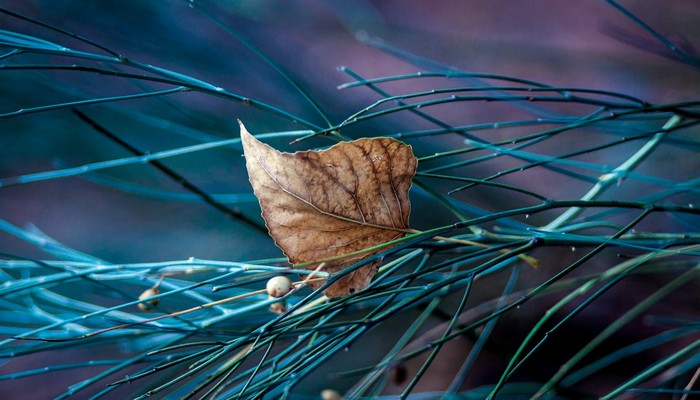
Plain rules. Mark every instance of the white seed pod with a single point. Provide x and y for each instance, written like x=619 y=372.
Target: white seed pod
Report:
x=147 y=305
x=278 y=286
x=330 y=394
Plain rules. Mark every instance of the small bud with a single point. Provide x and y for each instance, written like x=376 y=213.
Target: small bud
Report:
x=147 y=305
x=278 y=307
x=330 y=394
x=278 y=286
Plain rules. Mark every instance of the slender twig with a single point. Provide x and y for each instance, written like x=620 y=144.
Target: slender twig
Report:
x=618 y=173
x=179 y=178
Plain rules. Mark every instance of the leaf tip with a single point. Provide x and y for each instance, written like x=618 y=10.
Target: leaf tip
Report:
x=243 y=130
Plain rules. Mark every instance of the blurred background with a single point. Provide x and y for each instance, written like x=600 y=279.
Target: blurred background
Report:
x=572 y=45
x=569 y=44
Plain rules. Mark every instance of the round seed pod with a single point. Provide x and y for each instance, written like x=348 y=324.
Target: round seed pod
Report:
x=278 y=307
x=330 y=394
x=278 y=286
x=147 y=305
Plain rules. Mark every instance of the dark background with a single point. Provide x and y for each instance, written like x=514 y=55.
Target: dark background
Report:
x=561 y=44
x=572 y=44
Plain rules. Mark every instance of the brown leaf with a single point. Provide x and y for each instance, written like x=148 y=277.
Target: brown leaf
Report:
x=322 y=204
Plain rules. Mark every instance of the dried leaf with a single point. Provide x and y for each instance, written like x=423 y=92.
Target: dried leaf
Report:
x=322 y=204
